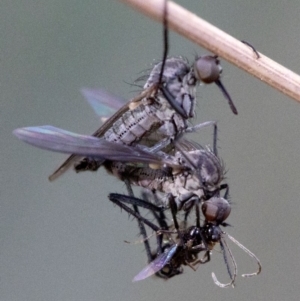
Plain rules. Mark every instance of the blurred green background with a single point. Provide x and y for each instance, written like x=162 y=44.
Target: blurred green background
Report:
x=64 y=240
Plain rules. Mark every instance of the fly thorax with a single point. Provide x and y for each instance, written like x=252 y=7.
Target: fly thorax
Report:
x=174 y=186
x=185 y=201
x=210 y=166
x=147 y=177
x=193 y=185
x=178 y=80
x=183 y=184
x=194 y=235
x=172 y=124
x=164 y=111
x=182 y=88
x=173 y=66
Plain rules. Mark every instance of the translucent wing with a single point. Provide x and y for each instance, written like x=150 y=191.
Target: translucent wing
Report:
x=105 y=126
x=157 y=264
x=59 y=140
x=103 y=103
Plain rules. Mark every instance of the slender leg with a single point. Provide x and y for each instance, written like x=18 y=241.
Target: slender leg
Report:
x=120 y=200
x=165 y=40
x=140 y=223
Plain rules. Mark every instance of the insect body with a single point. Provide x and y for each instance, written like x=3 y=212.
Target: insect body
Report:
x=160 y=113
x=185 y=183
x=194 y=174
x=149 y=118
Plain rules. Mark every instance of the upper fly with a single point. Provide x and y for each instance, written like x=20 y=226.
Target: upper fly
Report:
x=159 y=113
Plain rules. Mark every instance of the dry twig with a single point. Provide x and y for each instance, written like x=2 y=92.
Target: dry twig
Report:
x=215 y=40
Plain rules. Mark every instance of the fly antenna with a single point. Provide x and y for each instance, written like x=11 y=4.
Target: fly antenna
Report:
x=231 y=283
x=247 y=251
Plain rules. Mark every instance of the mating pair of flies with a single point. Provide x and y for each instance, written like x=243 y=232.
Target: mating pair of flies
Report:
x=142 y=144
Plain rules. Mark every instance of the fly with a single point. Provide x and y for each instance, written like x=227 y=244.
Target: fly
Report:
x=196 y=177
x=162 y=111
x=215 y=209
x=192 y=175
x=159 y=114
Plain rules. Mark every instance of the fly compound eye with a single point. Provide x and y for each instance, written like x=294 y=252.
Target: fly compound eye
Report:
x=207 y=69
x=216 y=209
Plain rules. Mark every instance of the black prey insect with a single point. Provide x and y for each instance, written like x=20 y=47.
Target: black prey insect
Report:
x=190 y=241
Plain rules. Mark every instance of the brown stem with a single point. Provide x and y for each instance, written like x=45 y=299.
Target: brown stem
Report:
x=217 y=41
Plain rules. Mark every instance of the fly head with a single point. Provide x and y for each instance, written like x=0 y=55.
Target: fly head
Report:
x=216 y=210
x=208 y=70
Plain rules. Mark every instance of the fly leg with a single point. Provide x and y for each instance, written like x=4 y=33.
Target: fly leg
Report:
x=158 y=215
x=252 y=47
x=169 y=269
x=140 y=223
x=166 y=42
x=120 y=200
x=205 y=124
x=172 y=101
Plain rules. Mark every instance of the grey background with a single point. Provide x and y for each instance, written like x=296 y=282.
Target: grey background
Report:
x=64 y=240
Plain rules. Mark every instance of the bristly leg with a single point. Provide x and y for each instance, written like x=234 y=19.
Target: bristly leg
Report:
x=165 y=40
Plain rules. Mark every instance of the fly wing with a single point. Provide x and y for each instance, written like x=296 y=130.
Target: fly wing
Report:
x=59 y=140
x=95 y=98
x=157 y=264
x=106 y=125
x=103 y=103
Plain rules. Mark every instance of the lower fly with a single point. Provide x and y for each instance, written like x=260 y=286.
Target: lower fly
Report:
x=215 y=208
x=191 y=176
x=196 y=175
